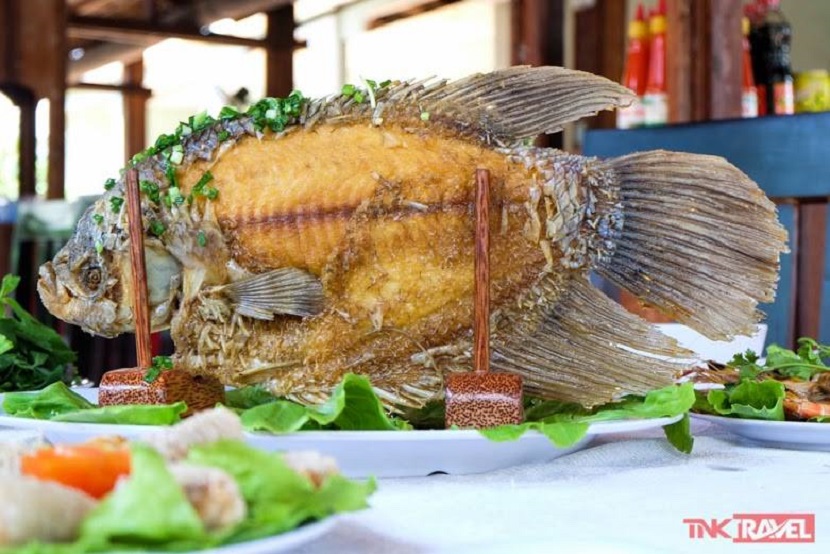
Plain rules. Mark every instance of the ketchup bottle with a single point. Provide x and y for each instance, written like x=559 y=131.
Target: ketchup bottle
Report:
x=636 y=71
x=656 y=100
x=749 y=96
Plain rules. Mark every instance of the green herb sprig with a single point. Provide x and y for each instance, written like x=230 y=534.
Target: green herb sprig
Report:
x=160 y=363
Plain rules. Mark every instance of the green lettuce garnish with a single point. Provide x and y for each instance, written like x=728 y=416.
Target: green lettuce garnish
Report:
x=278 y=498
x=58 y=403
x=566 y=424
x=54 y=400
x=352 y=406
x=749 y=399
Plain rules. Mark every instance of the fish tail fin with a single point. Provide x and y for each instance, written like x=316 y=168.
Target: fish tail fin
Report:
x=584 y=347
x=699 y=240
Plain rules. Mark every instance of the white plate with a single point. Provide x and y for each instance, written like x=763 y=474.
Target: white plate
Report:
x=362 y=454
x=793 y=435
x=280 y=543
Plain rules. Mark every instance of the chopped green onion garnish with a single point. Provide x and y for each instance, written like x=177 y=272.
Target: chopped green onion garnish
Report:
x=185 y=130
x=176 y=157
x=115 y=203
x=228 y=112
x=99 y=246
x=109 y=184
x=98 y=218
x=424 y=116
x=348 y=90
x=174 y=196
x=201 y=239
x=358 y=97
x=157 y=228
x=223 y=136
x=150 y=189
x=199 y=188
x=211 y=193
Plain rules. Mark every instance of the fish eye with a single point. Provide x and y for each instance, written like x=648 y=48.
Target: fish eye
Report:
x=92 y=277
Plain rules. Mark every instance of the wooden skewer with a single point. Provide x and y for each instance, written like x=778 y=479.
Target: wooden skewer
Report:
x=141 y=309
x=482 y=398
x=481 y=307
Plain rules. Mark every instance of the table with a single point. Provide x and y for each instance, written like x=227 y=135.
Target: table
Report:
x=624 y=494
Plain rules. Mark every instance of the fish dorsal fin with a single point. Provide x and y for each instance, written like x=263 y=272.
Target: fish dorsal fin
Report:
x=287 y=291
x=521 y=102
x=586 y=348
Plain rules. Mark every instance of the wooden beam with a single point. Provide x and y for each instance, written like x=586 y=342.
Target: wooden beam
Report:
x=135 y=111
x=126 y=89
x=279 y=61
x=144 y=33
x=409 y=11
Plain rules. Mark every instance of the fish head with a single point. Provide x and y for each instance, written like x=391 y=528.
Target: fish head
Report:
x=89 y=281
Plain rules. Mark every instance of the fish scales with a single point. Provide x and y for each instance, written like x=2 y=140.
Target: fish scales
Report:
x=310 y=238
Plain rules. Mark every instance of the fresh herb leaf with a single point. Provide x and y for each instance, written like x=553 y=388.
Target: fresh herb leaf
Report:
x=98 y=219
x=115 y=203
x=109 y=184
x=159 y=364
x=348 y=90
x=222 y=136
x=228 y=112
x=38 y=356
x=201 y=239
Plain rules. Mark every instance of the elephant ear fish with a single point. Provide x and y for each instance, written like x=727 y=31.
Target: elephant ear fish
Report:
x=304 y=239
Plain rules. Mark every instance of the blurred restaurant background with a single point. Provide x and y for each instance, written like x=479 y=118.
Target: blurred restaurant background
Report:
x=85 y=84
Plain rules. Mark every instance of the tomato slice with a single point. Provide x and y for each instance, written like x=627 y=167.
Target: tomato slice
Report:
x=91 y=468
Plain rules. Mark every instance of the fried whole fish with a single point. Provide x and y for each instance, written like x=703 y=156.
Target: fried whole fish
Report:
x=309 y=238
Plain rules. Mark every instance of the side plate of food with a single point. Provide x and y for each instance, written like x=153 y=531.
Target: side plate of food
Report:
x=793 y=435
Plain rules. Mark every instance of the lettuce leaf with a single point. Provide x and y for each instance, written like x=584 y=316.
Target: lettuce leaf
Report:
x=54 y=400
x=145 y=510
x=278 y=498
x=58 y=402
x=352 y=406
x=128 y=414
x=749 y=399
x=247 y=397
x=566 y=424
x=679 y=435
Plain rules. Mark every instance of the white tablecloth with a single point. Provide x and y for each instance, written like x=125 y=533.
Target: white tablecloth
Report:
x=624 y=494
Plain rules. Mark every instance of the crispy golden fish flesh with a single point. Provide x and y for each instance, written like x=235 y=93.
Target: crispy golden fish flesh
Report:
x=304 y=239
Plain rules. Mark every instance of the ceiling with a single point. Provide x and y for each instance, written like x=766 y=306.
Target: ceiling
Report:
x=103 y=31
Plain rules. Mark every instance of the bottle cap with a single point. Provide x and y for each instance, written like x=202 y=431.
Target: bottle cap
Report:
x=745 y=25
x=637 y=28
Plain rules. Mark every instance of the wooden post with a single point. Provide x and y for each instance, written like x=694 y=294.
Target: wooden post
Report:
x=600 y=47
x=135 y=110
x=810 y=266
x=538 y=38
x=57 y=46
x=279 y=61
x=703 y=73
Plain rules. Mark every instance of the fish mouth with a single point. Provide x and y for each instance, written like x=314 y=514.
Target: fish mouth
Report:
x=98 y=318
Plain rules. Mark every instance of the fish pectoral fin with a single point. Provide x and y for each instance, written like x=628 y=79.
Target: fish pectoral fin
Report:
x=284 y=291
x=586 y=348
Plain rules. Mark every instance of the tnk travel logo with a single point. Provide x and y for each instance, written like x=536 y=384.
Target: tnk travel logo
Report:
x=755 y=528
